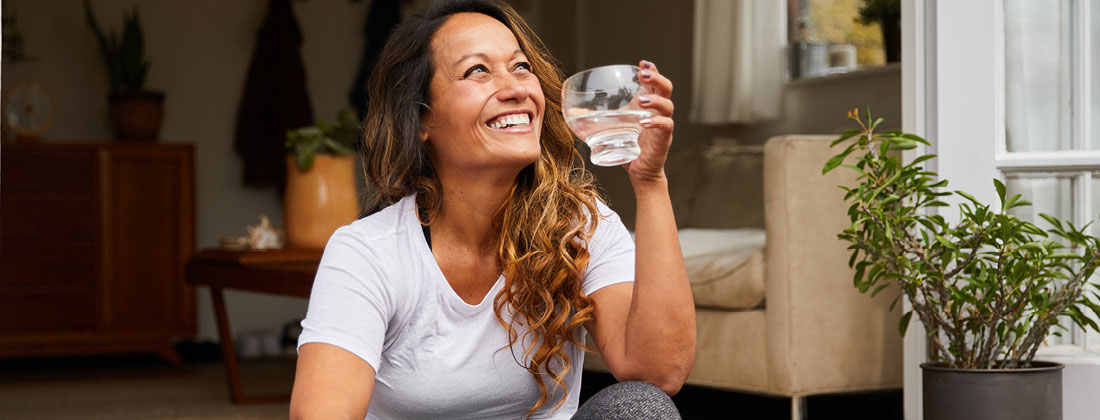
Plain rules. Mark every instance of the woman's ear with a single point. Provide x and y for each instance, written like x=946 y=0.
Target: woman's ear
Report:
x=425 y=124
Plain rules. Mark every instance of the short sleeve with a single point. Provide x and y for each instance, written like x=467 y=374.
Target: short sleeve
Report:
x=350 y=305
x=611 y=253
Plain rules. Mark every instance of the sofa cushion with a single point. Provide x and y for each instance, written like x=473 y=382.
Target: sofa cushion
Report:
x=725 y=266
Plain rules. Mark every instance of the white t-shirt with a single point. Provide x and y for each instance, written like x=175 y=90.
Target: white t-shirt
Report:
x=380 y=295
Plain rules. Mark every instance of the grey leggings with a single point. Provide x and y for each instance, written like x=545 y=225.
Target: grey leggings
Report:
x=628 y=400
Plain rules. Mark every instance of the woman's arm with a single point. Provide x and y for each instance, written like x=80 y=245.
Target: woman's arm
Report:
x=330 y=383
x=646 y=330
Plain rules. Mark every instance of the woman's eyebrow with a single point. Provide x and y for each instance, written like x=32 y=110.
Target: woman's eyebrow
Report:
x=482 y=56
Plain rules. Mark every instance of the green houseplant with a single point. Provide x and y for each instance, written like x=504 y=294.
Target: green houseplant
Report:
x=327 y=137
x=136 y=113
x=320 y=185
x=988 y=288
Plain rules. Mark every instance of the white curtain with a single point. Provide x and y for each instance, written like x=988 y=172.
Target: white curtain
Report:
x=737 y=63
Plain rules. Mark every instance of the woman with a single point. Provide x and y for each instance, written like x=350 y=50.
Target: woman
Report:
x=468 y=291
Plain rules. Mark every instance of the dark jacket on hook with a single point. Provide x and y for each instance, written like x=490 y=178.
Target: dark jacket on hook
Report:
x=275 y=99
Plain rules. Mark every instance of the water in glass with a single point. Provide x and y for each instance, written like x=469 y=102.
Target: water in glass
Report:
x=612 y=135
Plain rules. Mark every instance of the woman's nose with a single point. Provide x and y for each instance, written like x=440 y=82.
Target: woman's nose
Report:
x=511 y=89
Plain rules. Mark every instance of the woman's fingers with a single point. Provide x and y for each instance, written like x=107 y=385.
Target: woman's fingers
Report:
x=660 y=104
x=660 y=123
x=654 y=79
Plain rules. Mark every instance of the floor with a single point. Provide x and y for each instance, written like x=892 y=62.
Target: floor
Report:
x=145 y=387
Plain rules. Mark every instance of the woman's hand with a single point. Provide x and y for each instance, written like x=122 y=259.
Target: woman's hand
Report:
x=656 y=135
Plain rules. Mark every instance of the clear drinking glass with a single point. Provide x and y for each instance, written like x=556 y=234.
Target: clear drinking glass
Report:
x=601 y=107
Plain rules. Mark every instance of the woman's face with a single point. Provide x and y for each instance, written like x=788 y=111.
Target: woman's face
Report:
x=487 y=105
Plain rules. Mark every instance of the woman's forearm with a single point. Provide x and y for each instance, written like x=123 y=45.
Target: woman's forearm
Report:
x=660 y=327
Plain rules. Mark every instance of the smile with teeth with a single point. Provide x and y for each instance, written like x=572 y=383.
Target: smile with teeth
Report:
x=511 y=120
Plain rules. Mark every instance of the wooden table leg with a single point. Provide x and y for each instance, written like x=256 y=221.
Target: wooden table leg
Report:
x=229 y=356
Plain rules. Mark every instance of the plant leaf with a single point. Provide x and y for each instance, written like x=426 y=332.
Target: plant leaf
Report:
x=903 y=325
x=847 y=134
x=832 y=163
x=1000 y=186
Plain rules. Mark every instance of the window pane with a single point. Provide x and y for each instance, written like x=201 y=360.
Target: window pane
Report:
x=834 y=22
x=1093 y=337
x=1051 y=194
x=1094 y=23
x=1038 y=75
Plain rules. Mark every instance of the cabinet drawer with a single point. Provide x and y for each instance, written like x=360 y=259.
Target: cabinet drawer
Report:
x=54 y=310
x=38 y=217
x=45 y=168
x=40 y=264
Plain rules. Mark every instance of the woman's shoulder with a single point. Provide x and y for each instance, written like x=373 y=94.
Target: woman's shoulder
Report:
x=375 y=237
x=388 y=222
x=609 y=226
x=606 y=214
x=377 y=248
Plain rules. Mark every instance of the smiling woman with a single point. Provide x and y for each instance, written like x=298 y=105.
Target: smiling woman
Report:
x=488 y=255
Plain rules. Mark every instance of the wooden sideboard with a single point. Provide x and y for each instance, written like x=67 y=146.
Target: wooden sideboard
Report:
x=94 y=238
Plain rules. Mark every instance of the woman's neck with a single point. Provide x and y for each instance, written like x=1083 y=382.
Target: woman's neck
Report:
x=466 y=213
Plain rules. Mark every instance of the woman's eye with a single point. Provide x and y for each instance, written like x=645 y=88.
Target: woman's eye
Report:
x=473 y=69
x=523 y=64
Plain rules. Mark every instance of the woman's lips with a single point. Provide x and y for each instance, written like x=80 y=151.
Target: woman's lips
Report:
x=514 y=130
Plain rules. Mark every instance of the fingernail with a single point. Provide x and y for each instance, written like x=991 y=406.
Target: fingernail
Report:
x=644 y=99
x=645 y=121
x=646 y=74
x=646 y=64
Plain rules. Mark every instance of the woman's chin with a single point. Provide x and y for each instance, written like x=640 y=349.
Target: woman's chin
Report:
x=522 y=157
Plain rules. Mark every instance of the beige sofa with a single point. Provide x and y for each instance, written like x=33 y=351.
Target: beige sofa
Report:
x=777 y=313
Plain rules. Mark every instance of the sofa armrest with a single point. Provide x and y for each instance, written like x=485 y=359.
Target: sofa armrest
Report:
x=823 y=335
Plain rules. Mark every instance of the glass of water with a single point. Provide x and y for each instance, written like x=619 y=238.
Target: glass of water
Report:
x=601 y=107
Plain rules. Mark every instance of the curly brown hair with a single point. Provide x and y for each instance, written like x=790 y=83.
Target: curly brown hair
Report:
x=544 y=224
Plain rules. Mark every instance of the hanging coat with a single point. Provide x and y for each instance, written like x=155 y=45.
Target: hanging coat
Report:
x=275 y=99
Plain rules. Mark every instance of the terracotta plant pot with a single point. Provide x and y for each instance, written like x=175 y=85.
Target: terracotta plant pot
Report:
x=318 y=200
x=136 y=116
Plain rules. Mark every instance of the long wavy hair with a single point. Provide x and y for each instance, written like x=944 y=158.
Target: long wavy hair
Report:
x=545 y=223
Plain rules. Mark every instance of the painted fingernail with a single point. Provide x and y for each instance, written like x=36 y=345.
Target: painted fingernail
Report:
x=646 y=64
x=644 y=99
x=646 y=74
x=645 y=121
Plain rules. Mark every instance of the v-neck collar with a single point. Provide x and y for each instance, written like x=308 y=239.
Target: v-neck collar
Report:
x=449 y=294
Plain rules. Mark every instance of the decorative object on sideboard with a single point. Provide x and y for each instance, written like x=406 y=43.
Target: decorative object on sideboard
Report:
x=28 y=110
x=888 y=14
x=264 y=235
x=239 y=243
x=988 y=288
x=135 y=112
x=320 y=185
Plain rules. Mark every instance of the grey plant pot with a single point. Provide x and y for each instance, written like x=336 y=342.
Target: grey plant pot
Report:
x=1003 y=394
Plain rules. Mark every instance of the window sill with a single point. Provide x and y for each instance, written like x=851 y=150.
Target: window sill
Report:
x=851 y=75
x=1067 y=354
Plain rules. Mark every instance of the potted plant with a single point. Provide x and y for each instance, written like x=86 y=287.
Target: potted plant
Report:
x=988 y=287
x=320 y=187
x=888 y=14
x=135 y=113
